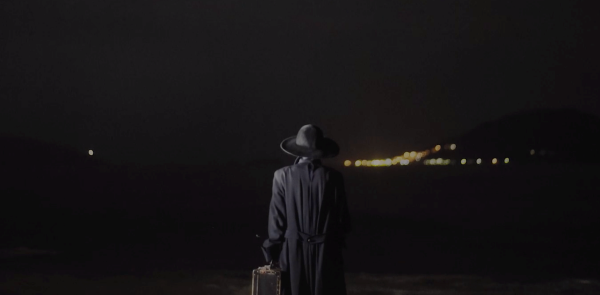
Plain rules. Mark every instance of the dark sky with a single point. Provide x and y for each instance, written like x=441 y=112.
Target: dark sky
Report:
x=193 y=82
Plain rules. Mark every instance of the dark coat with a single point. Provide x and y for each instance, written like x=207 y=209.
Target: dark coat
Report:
x=308 y=223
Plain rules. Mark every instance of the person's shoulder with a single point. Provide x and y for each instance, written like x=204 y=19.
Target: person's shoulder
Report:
x=282 y=171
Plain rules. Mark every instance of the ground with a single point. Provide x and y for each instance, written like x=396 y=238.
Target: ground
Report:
x=238 y=282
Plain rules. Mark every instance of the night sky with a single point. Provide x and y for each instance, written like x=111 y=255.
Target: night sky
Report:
x=194 y=82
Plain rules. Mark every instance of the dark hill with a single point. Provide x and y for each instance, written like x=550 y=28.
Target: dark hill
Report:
x=562 y=133
x=18 y=151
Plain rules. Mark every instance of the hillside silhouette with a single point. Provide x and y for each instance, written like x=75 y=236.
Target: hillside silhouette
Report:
x=559 y=134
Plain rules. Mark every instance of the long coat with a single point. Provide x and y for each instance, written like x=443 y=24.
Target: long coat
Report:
x=308 y=223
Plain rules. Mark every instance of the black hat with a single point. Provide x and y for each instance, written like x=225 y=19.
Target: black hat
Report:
x=310 y=143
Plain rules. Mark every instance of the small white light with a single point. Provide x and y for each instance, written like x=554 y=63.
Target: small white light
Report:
x=494 y=161
x=91 y=152
x=463 y=161
x=453 y=146
x=479 y=161
x=506 y=161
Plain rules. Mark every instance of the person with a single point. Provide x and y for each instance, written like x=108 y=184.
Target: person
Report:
x=308 y=218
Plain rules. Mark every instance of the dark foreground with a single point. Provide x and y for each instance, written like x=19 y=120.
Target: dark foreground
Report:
x=233 y=283
x=417 y=230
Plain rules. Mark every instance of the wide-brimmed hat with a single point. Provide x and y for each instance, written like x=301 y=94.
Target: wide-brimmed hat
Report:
x=310 y=143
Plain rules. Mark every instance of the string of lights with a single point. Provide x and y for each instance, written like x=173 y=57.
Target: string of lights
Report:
x=416 y=156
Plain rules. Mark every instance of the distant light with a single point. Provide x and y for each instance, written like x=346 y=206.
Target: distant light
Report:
x=463 y=161
x=369 y=163
x=91 y=152
x=506 y=161
x=494 y=161
x=404 y=162
x=446 y=162
x=364 y=162
x=438 y=147
x=388 y=162
x=347 y=163
x=406 y=154
x=413 y=154
x=357 y=163
x=375 y=163
x=439 y=161
x=418 y=158
x=479 y=161
x=532 y=152
x=453 y=146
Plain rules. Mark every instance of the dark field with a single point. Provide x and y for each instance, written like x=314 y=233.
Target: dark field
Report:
x=506 y=229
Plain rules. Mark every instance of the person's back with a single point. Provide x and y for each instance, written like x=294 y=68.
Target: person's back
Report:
x=308 y=218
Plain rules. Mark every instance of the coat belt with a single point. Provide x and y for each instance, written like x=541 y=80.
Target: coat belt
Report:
x=304 y=237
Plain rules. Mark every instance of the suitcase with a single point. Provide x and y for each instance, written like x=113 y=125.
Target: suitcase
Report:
x=266 y=281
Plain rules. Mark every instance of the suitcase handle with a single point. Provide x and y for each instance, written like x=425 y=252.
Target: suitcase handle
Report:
x=273 y=265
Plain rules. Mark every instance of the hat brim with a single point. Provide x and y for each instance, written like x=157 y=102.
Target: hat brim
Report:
x=328 y=149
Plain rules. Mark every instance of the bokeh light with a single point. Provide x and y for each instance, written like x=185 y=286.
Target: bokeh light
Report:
x=506 y=161
x=463 y=161
x=91 y=153
x=438 y=147
x=406 y=154
x=358 y=163
x=453 y=146
x=494 y=161
x=532 y=152
x=439 y=161
x=347 y=163
x=413 y=154
x=388 y=162
x=479 y=161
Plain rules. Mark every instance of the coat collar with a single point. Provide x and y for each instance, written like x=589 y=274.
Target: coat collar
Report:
x=300 y=160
